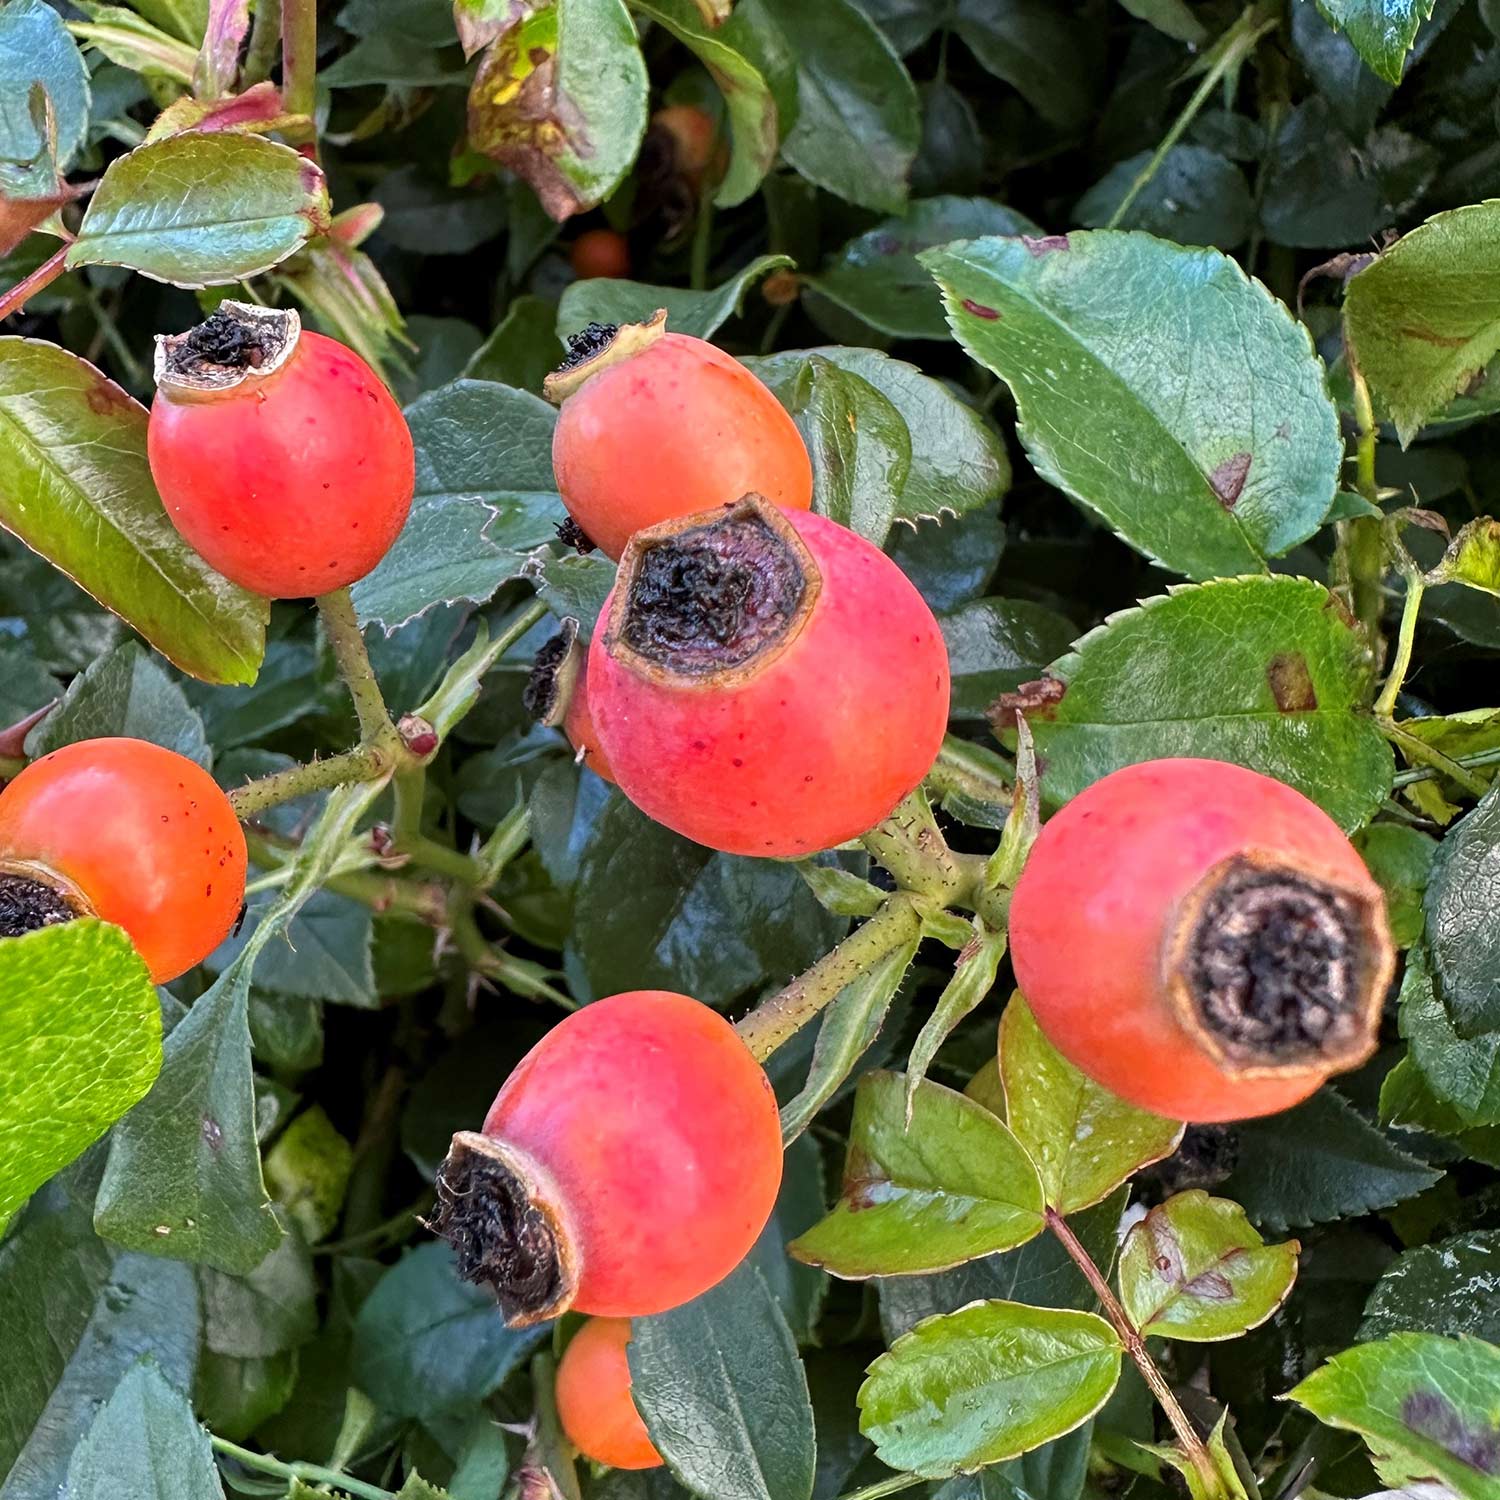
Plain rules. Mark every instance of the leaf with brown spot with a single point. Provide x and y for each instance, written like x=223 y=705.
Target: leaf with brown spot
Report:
x=1194 y=1269
x=1036 y=700
x=1472 y=558
x=560 y=99
x=1228 y=478
x=1291 y=683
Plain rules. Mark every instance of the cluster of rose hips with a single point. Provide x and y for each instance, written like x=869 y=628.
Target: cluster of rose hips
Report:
x=1201 y=939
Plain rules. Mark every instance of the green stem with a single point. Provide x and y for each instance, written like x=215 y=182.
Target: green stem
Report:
x=348 y=643
x=892 y=1486
x=511 y=835
x=395 y=1229
x=969 y=770
x=312 y=1473
x=702 y=242
x=364 y=763
x=457 y=693
x=28 y=286
x=518 y=975
x=1385 y=704
x=1234 y=45
x=1135 y=1346
x=299 y=59
x=265 y=34
x=1418 y=749
x=778 y=1019
x=912 y=847
x=377 y=889
x=1359 y=560
x=1428 y=773
x=440 y=859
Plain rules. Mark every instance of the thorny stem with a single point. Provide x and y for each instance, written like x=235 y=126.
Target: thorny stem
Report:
x=1234 y=46
x=1359 y=563
x=28 y=286
x=912 y=847
x=1135 y=1346
x=312 y=1473
x=364 y=763
x=299 y=60
x=377 y=889
x=348 y=643
x=778 y=1019
x=1385 y=704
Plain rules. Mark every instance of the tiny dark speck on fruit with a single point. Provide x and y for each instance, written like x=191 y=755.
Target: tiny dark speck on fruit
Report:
x=979 y=309
x=737 y=761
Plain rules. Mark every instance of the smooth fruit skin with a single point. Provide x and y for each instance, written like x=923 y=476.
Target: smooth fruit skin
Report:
x=593 y=1398
x=1092 y=908
x=144 y=834
x=600 y=252
x=678 y=428
x=578 y=725
x=661 y=1134
x=292 y=485
x=815 y=748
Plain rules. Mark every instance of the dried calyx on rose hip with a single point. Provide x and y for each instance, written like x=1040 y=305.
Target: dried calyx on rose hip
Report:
x=764 y=681
x=657 y=424
x=594 y=1403
x=1202 y=940
x=628 y=1164
x=556 y=694
x=128 y=832
x=280 y=455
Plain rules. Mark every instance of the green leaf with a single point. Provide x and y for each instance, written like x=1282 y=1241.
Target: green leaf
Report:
x=877 y=275
x=1434 y=1402
x=35 y=48
x=847 y=1031
x=187 y=19
x=724 y=1395
x=1319 y=1161
x=522 y=349
x=184 y=1176
x=80 y=1031
x=986 y=1383
x=946 y=460
x=426 y=1342
x=801 y=1290
x=25 y=684
x=270 y=1310
x=144 y=1443
x=1400 y=858
x=949 y=1187
x=995 y=645
x=1043 y=52
x=1472 y=558
x=1085 y=1142
x=1463 y=1073
x=560 y=100
x=1228 y=1482
x=1447 y=1288
x=652 y=908
x=326 y=955
x=234 y=1396
x=1194 y=196
x=77 y=1315
x=133 y=42
x=606 y=299
x=1462 y=935
x=1382 y=30
x=75 y=486
x=973 y=979
x=1194 y=1269
x=485 y=500
x=1172 y=17
x=202 y=210
x=1424 y=318
x=1266 y=672
x=752 y=110
x=857 y=128
x=127 y=693
x=308 y=1172
x=1190 y=415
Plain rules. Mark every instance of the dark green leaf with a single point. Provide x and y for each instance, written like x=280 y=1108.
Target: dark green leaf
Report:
x=426 y=1342
x=994 y=645
x=615 y=300
x=950 y=1186
x=1447 y=1288
x=76 y=487
x=1319 y=1161
x=1464 y=1074
x=270 y=1310
x=35 y=48
x=80 y=1030
x=1039 y=49
x=523 y=348
x=1265 y=672
x=724 y=1395
x=1195 y=196
x=986 y=1383
x=1400 y=858
x=203 y=209
x=1154 y=411
x=1462 y=935
x=1382 y=30
x=800 y=1204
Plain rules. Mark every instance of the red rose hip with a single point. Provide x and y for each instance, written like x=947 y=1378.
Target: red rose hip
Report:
x=279 y=454
x=128 y=832
x=1201 y=940
x=656 y=424
x=628 y=1164
x=593 y=1398
x=765 y=681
